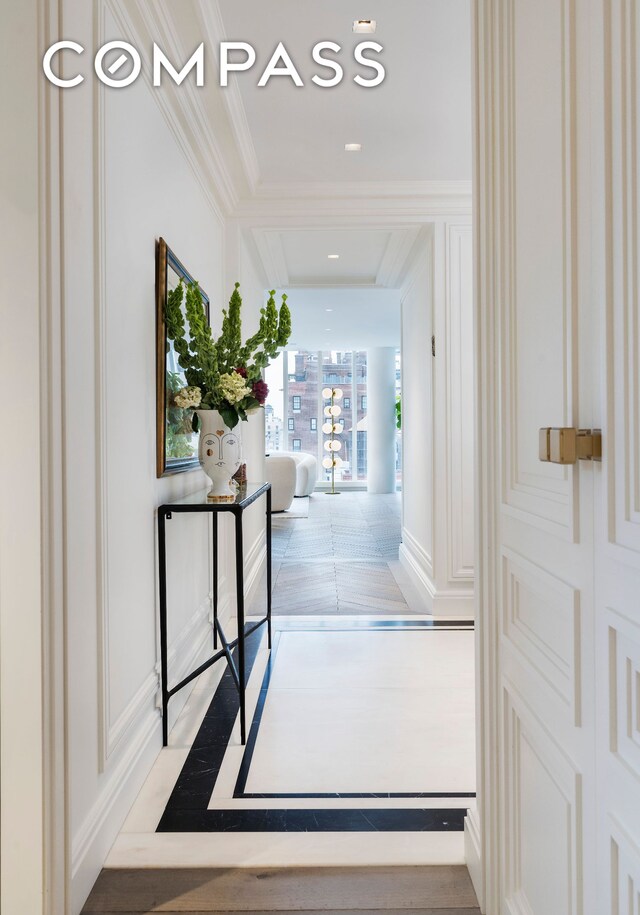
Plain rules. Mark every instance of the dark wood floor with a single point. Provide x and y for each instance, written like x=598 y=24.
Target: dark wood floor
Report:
x=308 y=891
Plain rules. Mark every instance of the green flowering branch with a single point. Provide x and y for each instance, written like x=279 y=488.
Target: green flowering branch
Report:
x=227 y=374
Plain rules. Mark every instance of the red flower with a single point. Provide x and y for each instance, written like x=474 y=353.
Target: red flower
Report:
x=260 y=389
x=241 y=371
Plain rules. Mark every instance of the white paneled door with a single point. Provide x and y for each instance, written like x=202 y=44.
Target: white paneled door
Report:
x=558 y=335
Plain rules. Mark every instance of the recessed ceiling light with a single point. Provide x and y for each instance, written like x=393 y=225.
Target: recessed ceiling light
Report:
x=327 y=329
x=353 y=147
x=328 y=309
x=333 y=257
x=364 y=25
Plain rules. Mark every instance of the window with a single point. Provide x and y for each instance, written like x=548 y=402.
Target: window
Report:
x=313 y=424
x=363 y=401
x=297 y=403
x=291 y=424
x=297 y=444
x=347 y=403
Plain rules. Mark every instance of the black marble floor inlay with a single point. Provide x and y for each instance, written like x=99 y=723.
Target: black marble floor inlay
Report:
x=187 y=809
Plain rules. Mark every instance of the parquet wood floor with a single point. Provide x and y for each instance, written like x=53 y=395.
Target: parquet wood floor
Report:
x=341 y=558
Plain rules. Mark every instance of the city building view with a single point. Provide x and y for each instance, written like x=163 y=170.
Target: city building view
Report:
x=294 y=412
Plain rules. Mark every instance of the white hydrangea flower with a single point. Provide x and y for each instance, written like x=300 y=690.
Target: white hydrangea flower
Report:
x=233 y=387
x=188 y=397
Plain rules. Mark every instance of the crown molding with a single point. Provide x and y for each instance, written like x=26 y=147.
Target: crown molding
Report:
x=396 y=261
x=392 y=266
x=340 y=190
x=417 y=259
x=353 y=282
x=364 y=203
x=271 y=251
x=148 y=21
x=213 y=30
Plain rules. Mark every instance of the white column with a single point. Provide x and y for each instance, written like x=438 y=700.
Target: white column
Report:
x=381 y=419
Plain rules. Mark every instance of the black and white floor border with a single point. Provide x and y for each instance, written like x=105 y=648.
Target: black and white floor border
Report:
x=188 y=809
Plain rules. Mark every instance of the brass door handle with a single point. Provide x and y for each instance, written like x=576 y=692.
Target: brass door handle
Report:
x=567 y=445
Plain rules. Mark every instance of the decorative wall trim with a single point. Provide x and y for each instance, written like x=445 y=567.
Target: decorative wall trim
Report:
x=421 y=557
x=622 y=177
x=111 y=733
x=485 y=66
x=329 y=211
x=105 y=740
x=473 y=854
x=525 y=737
x=459 y=411
x=181 y=106
x=546 y=497
x=183 y=650
x=625 y=869
x=391 y=270
x=624 y=680
x=271 y=252
x=418 y=261
x=93 y=839
x=394 y=263
x=213 y=29
x=541 y=620
x=428 y=191
x=417 y=564
x=255 y=559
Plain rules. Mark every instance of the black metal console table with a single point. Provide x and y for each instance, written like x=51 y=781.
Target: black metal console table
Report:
x=199 y=503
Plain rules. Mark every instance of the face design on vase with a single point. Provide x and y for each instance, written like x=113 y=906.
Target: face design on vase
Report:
x=221 y=449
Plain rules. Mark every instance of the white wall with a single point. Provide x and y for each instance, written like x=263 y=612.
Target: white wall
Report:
x=417 y=410
x=22 y=760
x=142 y=186
x=240 y=267
x=437 y=419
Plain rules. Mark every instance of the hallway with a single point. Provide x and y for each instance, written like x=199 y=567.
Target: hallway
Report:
x=339 y=554
x=361 y=741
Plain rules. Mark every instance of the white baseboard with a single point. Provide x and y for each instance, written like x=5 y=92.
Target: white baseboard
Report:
x=254 y=564
x=100 y=828
x=191 y=648
x=437 y=601
x=131 y=762
x=473 y=854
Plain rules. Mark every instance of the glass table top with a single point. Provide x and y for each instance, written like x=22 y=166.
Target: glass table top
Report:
x=198 y=501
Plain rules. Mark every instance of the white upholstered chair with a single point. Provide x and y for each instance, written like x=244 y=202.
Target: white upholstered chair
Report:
x=306 y=471
x=280 y=471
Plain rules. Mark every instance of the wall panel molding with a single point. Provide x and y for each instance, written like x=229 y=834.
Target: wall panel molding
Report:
x=543 y=794
x=541 y=619
x=542 y=495
x=624 y=679
x=92 y=840
x=622 y=438
x=625 y=871
x=459 y=404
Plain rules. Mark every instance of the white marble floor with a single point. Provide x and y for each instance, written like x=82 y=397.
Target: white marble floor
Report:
x=367 y=711
x=346 y=712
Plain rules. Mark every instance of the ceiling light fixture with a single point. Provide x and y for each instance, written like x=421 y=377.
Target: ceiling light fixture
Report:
x=364 y=25
x=328 y=309
x=333 y=257
x=353 y=147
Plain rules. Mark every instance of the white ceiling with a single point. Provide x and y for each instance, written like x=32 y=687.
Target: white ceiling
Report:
x=416 y=125
x=360 y=254
x=274 y=157
x=373 y=257
x=358 y=319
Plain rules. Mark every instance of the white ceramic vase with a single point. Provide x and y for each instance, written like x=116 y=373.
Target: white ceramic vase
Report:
x=219 y=453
